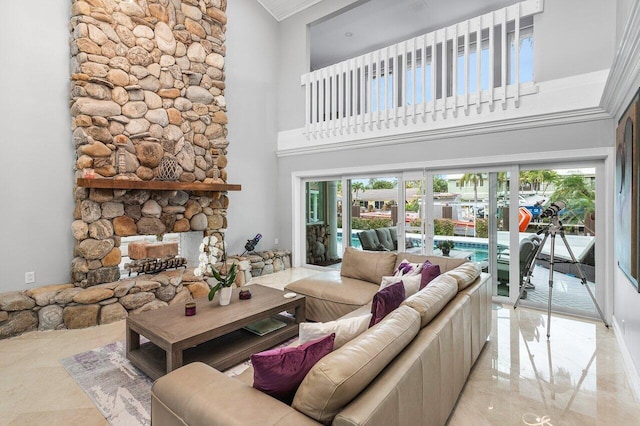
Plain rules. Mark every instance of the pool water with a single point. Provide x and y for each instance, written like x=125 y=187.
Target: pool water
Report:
x=480 y=251
x=479 y=254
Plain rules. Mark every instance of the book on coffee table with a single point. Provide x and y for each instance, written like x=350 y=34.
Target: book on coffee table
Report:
x=264 y=326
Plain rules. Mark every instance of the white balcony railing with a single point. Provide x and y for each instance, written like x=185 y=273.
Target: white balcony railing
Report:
x=463 y=66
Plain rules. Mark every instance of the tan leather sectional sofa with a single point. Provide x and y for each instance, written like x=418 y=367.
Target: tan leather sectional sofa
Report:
x=409 y=369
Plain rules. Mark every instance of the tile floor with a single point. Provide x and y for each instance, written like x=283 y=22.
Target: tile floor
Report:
x=575 y=378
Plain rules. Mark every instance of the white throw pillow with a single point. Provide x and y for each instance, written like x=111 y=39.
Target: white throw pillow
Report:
x=345 y=329
x=406 y=268
x=411 y=283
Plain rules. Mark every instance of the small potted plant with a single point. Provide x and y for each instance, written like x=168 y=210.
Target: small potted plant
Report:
x=446 y=246
x=224 y=285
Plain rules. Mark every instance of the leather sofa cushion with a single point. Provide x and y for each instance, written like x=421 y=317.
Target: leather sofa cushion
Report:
x=198 y=395
x=465 y=274
x=329 y=296
x=429 y=301
x=445 y=263
x=333 y=287
x=367 y=266
x=340 y=376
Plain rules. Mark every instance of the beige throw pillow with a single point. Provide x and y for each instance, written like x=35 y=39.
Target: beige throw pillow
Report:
x=345 y=329
x=465 y=274
x=341 y=375
x=411 y=283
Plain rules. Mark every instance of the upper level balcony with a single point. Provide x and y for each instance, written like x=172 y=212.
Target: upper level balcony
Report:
x=462 y=78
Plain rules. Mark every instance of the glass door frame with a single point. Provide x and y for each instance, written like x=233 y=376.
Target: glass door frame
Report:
x=427 y=204
x=602 y=292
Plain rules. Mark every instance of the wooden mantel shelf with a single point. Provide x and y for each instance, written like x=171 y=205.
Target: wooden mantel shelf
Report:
x=156 y=185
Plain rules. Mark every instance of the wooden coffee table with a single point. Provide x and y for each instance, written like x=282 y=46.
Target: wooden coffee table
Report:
x=214 y=335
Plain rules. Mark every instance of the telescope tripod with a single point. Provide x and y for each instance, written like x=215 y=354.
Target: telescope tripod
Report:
x=554 y=228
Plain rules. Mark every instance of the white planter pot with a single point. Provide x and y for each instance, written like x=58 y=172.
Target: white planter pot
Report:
x=225 y=295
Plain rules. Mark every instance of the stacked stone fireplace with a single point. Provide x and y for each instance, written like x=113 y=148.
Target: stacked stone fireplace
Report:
x=147 y=103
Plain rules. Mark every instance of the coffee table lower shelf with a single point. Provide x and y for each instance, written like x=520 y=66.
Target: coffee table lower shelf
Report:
x=220 y=353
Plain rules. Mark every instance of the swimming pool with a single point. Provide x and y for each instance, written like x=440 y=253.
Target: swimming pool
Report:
x=480 y=250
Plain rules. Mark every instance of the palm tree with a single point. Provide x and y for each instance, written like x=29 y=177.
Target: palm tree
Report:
x=475 y=179
x=537 y=178
x=548 y=176
x=578 y=196
x=355 y=188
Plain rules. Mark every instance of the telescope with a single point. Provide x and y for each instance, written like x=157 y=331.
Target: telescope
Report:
x=550 y=230
x=251 y=244
x=553 y=209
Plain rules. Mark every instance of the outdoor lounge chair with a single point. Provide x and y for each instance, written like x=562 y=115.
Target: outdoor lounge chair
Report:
x=382 y=239
x=528 y=249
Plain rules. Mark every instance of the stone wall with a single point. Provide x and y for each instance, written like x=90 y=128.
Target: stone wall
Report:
x=147 y=103
x=67 y=306
x=317 y=244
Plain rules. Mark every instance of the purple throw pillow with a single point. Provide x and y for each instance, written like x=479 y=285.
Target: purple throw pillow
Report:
x=429 y=272
x=279 y=372
x=385 y=301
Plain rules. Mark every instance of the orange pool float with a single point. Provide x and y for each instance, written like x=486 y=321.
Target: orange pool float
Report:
x=524 y=218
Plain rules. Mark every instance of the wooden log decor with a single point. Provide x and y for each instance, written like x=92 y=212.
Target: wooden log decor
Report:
x=152 y=266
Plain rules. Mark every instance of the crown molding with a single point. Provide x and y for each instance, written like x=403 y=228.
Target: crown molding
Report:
x=521 y=123
x=623 y=76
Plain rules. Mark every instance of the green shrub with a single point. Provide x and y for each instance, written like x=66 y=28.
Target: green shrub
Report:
x=415 y=222
x=443 y=226
x=482 y=228
x=369 y=223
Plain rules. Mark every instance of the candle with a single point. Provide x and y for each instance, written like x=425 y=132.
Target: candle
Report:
x=190 y=309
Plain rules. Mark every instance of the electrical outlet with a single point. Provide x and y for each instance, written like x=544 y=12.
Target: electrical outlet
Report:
x=29 y=277
x=276 y=242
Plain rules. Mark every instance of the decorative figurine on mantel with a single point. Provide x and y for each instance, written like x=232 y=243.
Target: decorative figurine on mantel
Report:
x=121 y=161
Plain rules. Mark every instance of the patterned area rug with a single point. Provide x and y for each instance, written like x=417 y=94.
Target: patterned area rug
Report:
x=120 y=391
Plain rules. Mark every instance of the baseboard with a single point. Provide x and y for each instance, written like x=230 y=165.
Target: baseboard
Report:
x=629 y=367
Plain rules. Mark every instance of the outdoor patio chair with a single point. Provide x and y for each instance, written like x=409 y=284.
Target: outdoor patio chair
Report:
x=528 y=248
x=370 y=241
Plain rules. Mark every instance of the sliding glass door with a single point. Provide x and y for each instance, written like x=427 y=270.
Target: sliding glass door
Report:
x=322 y=217
x=572 y=190
x=374 y=213
x=462 y=214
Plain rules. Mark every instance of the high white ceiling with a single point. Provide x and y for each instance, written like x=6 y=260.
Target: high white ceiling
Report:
x=282 y=9
x=368 y=25
x=378 y=23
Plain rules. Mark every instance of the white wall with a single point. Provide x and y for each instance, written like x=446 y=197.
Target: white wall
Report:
x=251 y=94
x=573 y=37
x=36 y=164
x=295 y=60
x=626 y=299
